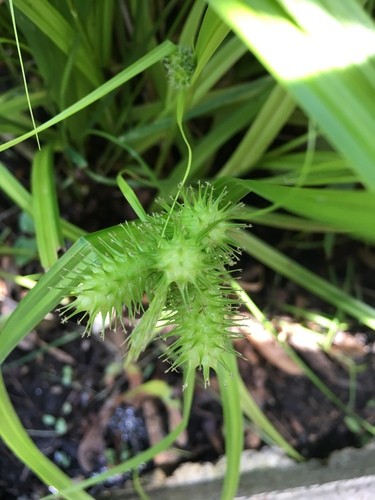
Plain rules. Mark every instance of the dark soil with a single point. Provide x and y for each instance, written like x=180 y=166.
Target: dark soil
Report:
x=73 y=394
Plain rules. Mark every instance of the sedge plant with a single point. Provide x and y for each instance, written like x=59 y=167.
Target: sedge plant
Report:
x=180 y=255
x=179 y=258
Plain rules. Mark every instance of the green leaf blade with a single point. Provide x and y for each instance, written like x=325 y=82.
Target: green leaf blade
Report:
x=332 y=81
x=45 y=207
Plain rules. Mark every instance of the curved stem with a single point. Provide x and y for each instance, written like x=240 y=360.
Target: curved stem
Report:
x=179 y=117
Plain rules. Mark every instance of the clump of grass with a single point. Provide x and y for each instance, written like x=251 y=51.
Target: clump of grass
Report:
x=320 y=181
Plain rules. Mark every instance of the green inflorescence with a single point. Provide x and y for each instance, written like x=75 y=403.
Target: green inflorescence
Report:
x=180 y=67
x=182 y=267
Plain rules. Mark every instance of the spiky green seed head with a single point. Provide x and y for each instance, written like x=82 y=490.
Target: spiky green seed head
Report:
x=179 y=260
x=203 y=331
x=206 y=216
x=115 y=282
x=180 y=67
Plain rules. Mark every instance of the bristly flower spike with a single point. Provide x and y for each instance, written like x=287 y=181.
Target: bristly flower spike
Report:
x=181 y=268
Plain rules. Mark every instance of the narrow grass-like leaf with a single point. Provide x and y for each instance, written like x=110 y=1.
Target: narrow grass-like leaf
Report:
x=327 y=168
x=14 y=190
x=47 y=293
x=16 y=438
x=211 y=34
x=262 y=132
x=127 y=74
x=11 y=103
x=191 y=24
x=53 y=24
x=274 y=219
x=228 y=377
x=22 y=198
x=255 y=414
x=100 y=30
x=263 y=252
x=17 y=251
x=351 y=211
x=221 y=62
x=131 y=197
x=45 y=207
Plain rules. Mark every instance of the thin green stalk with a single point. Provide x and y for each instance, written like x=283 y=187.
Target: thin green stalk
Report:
x=155 y=55
x=305 y=278
x=228 y=377
x=23 y=70
x=179 y=117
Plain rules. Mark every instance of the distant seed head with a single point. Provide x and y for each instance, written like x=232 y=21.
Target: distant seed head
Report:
x=180 y=67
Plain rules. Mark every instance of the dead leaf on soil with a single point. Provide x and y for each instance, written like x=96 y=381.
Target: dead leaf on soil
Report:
x=91 y=448
x=268 y=347
x=90 y=454
x=156 y=432
x=350 y=345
